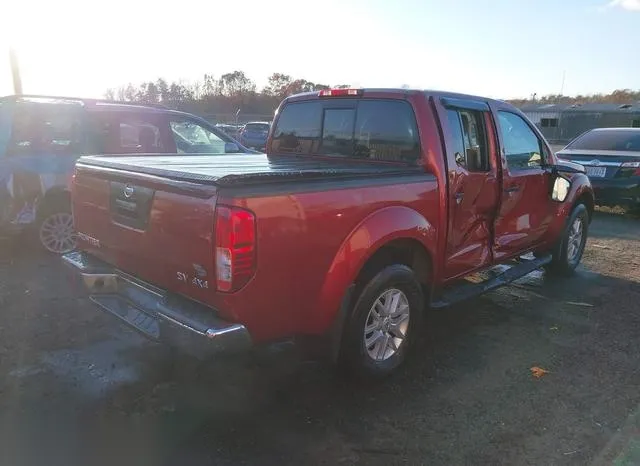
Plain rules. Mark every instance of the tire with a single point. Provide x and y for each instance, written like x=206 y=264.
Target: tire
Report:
x=568 y=252
x=372 y=345
x=54 y=228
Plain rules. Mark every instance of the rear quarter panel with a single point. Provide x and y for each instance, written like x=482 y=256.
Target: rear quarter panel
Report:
x=311 y=245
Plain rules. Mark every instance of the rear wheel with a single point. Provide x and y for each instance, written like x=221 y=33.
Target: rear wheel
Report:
x=55 y=228
x=383 y=322
x=569 y=250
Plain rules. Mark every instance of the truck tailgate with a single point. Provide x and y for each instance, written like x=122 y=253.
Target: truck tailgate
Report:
x=158 y=230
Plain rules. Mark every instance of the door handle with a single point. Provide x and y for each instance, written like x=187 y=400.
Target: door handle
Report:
x=459 y=196
x=512 y=189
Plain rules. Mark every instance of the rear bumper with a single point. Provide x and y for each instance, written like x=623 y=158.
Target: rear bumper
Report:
x=622 y=191
x=160 y=316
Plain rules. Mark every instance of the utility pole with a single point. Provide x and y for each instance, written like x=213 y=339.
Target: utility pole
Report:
x=15 y=72
x=564 y=74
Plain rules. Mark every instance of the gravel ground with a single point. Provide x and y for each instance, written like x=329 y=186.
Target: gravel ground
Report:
x=77 y=389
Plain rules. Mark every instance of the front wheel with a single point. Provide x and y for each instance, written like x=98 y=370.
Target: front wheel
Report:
x=569 y=250
x=383 y=322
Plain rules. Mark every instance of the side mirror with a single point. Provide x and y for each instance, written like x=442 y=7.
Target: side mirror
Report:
x=561 y=184
x=231 y=148
x=561 y=188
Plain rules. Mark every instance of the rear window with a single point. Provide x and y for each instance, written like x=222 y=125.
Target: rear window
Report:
x=257 y=127
x=621 y=140
x=367 y=129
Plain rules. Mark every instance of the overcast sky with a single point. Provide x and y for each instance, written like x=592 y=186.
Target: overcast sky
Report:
x=498 y=48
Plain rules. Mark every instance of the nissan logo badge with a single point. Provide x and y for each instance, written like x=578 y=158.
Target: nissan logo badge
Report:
x=128 y=191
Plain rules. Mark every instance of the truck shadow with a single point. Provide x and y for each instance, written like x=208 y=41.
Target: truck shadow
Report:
x=466 y=395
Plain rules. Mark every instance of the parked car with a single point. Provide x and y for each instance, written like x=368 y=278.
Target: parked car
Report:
x=254 y=135
x=229 y=130
x=368 y=206
x=611 y=157
x=41 y=138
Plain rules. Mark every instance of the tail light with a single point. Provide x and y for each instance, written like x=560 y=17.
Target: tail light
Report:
x=235 y=248
x=635 y=165
x=340 y=92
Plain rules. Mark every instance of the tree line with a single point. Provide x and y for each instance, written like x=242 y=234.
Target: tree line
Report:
x=224 y=95
x=235 y=91
x=619 y=96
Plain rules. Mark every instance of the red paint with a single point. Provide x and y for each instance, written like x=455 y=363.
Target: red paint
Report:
x=310 y=246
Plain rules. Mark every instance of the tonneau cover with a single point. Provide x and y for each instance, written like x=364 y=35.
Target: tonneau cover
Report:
x=234 y=169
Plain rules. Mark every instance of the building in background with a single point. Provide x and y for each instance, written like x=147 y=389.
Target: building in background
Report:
x=560 y=123
x=546 y=117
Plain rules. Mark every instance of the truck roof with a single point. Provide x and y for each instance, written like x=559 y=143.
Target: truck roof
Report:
x=399 y=92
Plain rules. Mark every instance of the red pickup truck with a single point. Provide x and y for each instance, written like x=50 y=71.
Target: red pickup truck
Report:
x=369 y=207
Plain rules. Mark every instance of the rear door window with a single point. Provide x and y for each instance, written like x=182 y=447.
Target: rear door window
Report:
x=469 y=139
x=131 y=133
x=372 y=129
x=46 y=129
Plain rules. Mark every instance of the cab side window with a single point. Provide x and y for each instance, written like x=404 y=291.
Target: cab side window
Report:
x=470 y=139
x=521 y=146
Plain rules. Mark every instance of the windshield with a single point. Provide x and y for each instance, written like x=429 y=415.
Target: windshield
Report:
x=618 y=140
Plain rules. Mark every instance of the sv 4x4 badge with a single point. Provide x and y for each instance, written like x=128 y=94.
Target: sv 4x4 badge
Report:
x=198 y=278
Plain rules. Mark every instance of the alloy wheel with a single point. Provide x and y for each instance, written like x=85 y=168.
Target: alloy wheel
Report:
x=387 y=324
x=57 y=234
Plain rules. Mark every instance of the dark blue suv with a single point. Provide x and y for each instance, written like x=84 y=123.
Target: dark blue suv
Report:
x=42 y=137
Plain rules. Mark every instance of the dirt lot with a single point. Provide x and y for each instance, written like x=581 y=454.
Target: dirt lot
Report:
x=75 y=389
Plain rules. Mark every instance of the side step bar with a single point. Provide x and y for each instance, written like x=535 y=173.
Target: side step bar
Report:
x=458 y=293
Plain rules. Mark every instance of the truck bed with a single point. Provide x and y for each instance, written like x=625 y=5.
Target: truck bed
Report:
x=234 y=170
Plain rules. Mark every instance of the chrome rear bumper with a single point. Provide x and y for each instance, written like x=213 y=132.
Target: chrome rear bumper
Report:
x=157 y=314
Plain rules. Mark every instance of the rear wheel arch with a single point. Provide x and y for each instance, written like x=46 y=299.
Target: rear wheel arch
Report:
x=403 y=251
x=384 y=228
x=396 y=234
